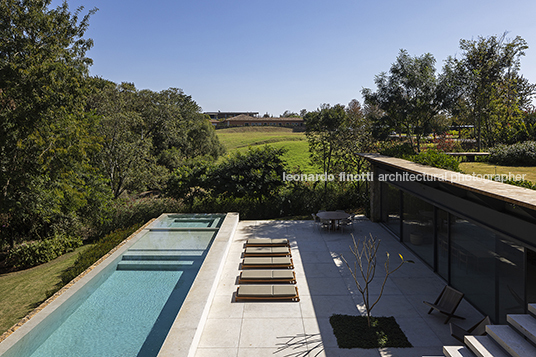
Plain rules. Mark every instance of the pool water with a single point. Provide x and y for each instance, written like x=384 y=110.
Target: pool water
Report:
x=117 y=318
x=131 y=312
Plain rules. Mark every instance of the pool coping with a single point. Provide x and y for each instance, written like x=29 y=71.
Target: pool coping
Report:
x=20 y=330
x=185 y=333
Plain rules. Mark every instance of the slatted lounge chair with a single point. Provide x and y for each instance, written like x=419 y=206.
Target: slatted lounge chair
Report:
x=479 y=329
x=266 y=251
x=267 y=242
x=447 y=302
x=267 y=262
x=267 y=276
x=267 y=292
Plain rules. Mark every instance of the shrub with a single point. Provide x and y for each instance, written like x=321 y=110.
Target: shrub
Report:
x=402 y=151
x=438 y=159
x=101 y=247
x=31 y=254
x=521 y=183
x=446 y=143
x=519 y=154
x=128 y=212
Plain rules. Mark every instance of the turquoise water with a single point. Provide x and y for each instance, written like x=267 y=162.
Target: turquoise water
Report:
x=130 y=313
x=117 y=318
x=190 y=221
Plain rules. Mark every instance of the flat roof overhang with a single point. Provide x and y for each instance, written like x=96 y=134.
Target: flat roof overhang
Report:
x=504 y=208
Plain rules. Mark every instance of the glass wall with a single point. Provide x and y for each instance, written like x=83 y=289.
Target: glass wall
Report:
x=473 y=268
x=487 y=267
x=418 y=228
x=391 y=207
x=442 y=245
x=531 y=276
x=510 y=289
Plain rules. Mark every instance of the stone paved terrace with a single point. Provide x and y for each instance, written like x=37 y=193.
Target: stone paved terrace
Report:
x=246 y=329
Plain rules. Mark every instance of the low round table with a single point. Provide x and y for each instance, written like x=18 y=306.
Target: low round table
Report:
x=333 y=216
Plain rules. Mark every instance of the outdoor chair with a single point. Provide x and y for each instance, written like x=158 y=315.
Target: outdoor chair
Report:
x=267 y=242
x=266 y=251
x=267 y=262
x=267 y=276
x=447 y=302
x=479 y=329
x=347 y=222
x=267 y=292
x=316 y=220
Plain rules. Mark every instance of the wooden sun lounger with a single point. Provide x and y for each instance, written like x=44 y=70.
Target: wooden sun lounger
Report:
x=266 y=251
x=447 y=302
x=267 y=292
x=267 y=242
x=267 y=262
x=267 y=276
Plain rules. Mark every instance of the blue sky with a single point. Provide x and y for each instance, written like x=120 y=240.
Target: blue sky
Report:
x=270 y=56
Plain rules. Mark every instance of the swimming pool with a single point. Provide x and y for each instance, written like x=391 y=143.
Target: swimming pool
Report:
x=131 y=304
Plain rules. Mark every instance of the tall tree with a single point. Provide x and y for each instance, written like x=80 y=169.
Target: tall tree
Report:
x=409 y=96
x=147 y=134
x=324 y=128
x=474 y=78
x=43 y=70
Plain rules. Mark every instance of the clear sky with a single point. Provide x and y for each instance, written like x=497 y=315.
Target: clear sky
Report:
x=274 y=55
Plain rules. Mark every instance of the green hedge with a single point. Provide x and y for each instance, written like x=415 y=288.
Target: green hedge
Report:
x=521 y=183
x=434 y=158
x=101 y=247
x=402 y=151
x=28 y=255
x=430 y=157
x=519 y=154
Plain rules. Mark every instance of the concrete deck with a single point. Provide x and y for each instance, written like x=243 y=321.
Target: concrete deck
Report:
x=325 y=286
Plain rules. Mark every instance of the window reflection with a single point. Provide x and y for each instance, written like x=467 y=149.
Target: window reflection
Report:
x=418 y=227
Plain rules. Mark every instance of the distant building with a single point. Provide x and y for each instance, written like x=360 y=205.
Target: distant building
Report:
x=246 y=120
x=224 y=115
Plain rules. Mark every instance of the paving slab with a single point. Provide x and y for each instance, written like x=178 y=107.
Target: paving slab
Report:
x=326 y=288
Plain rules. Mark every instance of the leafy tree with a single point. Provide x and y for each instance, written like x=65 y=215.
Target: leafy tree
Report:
x=191 y=180
x=147 y=134
x=335 y=134
x=409 y=96
x=257 y=173
x=44 y=141
x=323 y=129
x=475 y=80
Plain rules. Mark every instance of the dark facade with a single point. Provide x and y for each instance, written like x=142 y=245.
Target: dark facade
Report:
x=478 y=235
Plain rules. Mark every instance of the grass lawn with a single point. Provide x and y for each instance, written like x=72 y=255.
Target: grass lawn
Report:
x=239 y=139
x=234 y=138
x=490 y=169
x=22 y=291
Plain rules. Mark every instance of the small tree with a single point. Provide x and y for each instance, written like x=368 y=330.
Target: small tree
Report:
x=366 y=261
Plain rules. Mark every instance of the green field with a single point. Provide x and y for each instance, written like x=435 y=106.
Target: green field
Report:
x=239 y=139
x=484 y=168
x=22 y=291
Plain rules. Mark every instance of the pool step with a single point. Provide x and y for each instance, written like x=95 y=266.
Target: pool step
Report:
x=161 y=255
x=157 y=265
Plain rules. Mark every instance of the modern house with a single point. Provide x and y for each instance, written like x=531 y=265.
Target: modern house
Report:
x=477 y=234
x=246 y=120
